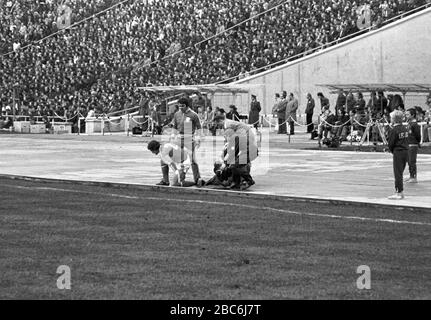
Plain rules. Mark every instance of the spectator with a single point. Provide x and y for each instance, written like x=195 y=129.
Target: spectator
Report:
x=156 y=120
x=209 y=118
x=341 y=101
x=291 y=109
x=280 y=110
x=397 y=103
x=350 y=102
x=201 y=114
x=382 y=103
x=309 y=110
x=327 y=123
x=372 y=105
x=103 y=59
x=233 y=114
x=324 y=102
x=360 y=104
x=255 y=108
x=342 y=125
x=414 y=144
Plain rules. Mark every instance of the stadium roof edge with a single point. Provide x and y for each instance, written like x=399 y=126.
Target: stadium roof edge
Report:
x=387 y=87
x=212 y=88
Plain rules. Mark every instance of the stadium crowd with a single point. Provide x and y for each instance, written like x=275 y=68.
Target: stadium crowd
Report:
x=100 y=62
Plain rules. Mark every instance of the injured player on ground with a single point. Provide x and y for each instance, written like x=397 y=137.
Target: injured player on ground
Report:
x=233 y=169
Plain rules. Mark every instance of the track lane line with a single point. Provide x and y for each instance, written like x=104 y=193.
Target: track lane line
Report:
x=307 y=214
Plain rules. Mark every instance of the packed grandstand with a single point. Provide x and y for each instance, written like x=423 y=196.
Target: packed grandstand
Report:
x=71 y=55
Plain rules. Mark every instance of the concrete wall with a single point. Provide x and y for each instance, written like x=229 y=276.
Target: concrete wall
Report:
x=397 y=53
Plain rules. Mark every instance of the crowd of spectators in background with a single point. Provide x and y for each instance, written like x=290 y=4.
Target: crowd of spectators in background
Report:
x=100 y=62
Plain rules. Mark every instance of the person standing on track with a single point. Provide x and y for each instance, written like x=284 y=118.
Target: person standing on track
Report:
x=291 y=109
x=398 y=144
x=255 y=109
x=188 y=125
x=280 y=109
x=414 y=144
x=309 y=110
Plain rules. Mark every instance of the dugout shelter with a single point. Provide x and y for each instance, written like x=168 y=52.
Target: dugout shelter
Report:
x=405 y=89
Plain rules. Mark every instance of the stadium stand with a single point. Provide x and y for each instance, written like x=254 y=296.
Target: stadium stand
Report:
x=105 y=54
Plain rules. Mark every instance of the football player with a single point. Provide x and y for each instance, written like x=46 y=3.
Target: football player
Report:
x=174 y=157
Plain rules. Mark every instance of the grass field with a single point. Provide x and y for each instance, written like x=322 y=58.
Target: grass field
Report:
x=134 y=244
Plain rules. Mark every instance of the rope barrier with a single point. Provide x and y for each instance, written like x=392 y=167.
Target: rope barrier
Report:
x=297 y=123
x=139 y=123
x=360 y=124
x=335 y=126
x=65 y=118
x=125 y=110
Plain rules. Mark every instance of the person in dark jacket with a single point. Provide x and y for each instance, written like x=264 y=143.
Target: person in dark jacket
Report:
x=324 y=102
x=382 y=103
x=255 y=109
x=341 y=101
x=309 y=111
x=398 y=144
x=360 y=104
x=372 y=105
x=350 y=102
x=414 y=144
x=233 y=114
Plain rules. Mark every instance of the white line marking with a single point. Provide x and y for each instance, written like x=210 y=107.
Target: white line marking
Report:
x=320 y=215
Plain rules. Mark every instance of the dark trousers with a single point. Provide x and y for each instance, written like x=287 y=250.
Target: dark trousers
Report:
x=292 y=127
x=310 y=126
x=413 y=156
x=241 y=171
x=400 y=161
x=282 y=127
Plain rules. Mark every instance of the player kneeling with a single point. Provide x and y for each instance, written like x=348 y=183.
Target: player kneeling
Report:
x=174 y=157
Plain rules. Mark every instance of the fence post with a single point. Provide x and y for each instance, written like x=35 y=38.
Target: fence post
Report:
x=288 y=127
x=126 y=124
x=103 y=126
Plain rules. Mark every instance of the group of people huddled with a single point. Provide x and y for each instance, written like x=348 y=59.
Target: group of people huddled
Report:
x=353 y=114
x=102 y=60
x=231 y=170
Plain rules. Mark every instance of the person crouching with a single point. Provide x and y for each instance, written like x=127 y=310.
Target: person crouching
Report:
x=398 y=144
x=174 y=157
x=241 y=150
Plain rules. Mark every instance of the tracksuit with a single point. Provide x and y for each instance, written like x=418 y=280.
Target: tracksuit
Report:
x=414 y=142
x=398 y=143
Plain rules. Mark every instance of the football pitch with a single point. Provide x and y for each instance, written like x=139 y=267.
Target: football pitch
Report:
x=136 y=243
